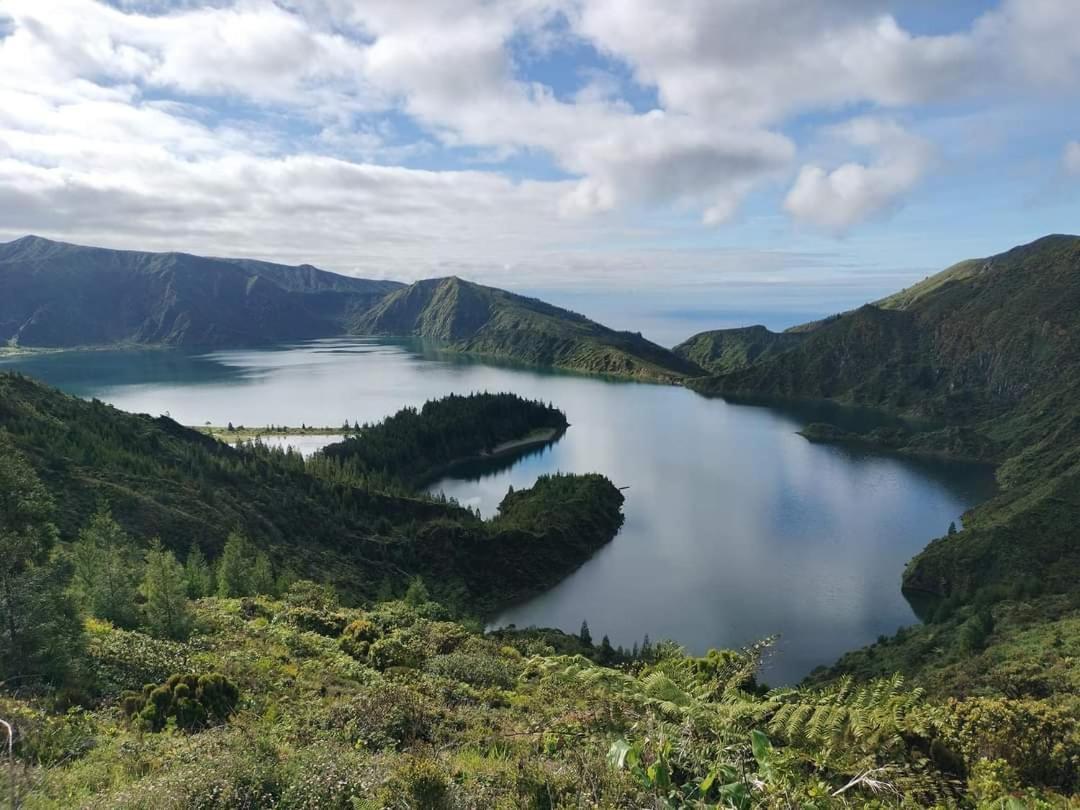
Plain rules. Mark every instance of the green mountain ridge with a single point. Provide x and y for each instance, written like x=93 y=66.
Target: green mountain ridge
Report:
x=471 y=318
x=721 y=351
x=985 y=353
x=54 y=295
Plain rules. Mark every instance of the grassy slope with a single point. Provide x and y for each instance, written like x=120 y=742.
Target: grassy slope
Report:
x=54 y=294
x=165 y=480
x=426 y=713
x=482 y=320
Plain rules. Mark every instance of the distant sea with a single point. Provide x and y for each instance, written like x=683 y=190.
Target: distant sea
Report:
x=671 y=319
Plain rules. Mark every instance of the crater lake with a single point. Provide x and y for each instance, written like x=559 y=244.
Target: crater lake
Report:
x=736 y=529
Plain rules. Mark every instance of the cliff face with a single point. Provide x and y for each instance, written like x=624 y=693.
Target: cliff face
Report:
x=56 y=295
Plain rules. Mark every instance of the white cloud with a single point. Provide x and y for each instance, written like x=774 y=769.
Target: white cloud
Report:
x=274 y=127
x=853 y=192
x=763 y=60
x=1071 y=158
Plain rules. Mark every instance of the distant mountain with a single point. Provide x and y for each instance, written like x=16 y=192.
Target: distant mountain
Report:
x=724 y=350
x=54 y=294
x=468 y=317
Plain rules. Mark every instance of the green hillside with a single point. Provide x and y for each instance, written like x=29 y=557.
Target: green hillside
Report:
x=54 y=294
x=987 y=351
x=468 y=317
x=361 y=531
x=134 y=681
x=974 y=341
x=724 y=350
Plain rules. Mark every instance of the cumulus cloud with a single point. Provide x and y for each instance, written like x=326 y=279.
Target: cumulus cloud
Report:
x=335 y=131
x=853 y=192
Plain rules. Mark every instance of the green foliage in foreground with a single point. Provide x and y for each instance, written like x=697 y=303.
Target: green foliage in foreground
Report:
x=399 y=706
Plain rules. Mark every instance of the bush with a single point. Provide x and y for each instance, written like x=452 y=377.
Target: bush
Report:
x=422 y=783
x=194 y=702
x=124 y=659
x=46 y=739
x=1039 y=739
x=357 y=638
x=975 y=632
x=390 y=715
x=399 y=649
x=315 y=620
x=474 y=669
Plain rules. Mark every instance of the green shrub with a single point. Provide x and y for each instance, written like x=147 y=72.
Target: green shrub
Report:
x=307 y=594
x=474 y=669
x=422 y=783
x=1039 y=739
x=975 y=632
x=315 y=620
x=399 y=649
x=194 y=702
x=386 y=716
x=124 y=659
x=43 y=738
x=324 y=777
x=357 y=638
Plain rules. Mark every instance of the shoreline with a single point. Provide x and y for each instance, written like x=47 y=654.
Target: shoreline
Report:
x=536 y=438
x=245 y=434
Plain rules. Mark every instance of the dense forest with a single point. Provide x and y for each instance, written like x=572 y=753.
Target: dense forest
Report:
x=413 y=446
x=218 y=667
x=165 y=481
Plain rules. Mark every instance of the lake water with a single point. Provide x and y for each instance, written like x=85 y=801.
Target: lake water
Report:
x=736 y=527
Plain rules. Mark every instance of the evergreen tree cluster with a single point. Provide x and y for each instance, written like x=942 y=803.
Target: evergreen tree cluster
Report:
x=414 y=444
x=363 y=529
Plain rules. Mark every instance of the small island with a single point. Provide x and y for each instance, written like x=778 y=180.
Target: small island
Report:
x=419 y=445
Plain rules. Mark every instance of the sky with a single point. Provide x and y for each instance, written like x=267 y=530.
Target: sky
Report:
x=717 y=160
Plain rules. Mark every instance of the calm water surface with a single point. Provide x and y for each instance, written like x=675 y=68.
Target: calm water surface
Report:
x=736 y=527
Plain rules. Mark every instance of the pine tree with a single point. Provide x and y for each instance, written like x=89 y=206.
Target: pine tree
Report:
x=584 y=634
x=233 y=574
x=607 y=652
x=262 y=575
x=417 y=593
x=107 y=570
x=40 y=630
x=198 y=576
x=164 y=586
